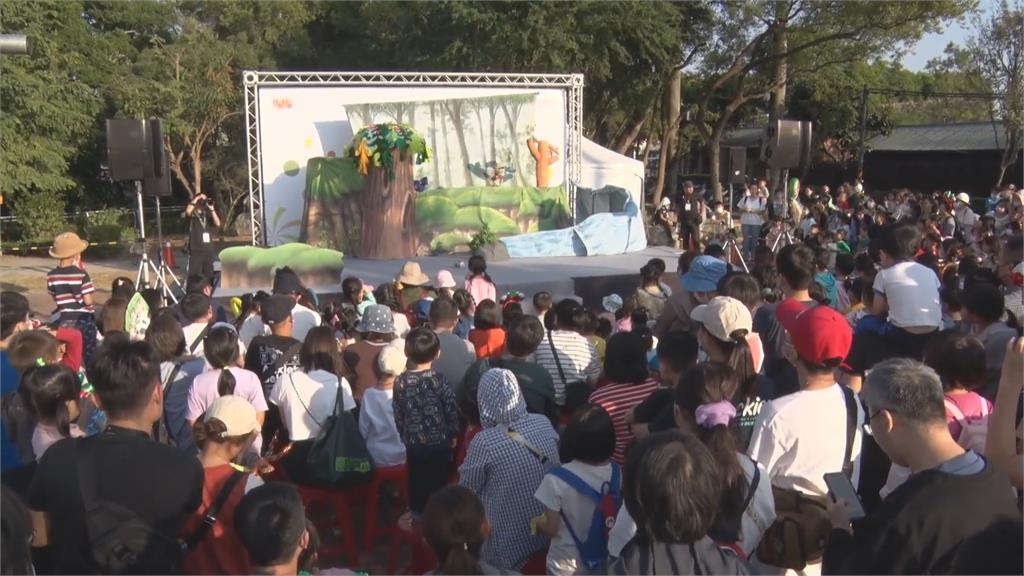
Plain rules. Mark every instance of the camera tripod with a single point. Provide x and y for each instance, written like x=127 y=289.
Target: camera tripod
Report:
x=160 y=270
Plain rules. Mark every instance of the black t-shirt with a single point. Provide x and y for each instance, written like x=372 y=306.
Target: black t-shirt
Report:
x=160 y=483
x=263 y=355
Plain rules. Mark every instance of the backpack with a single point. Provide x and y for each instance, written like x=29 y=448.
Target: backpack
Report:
x=973 y=431
x=120 y=541
x=594 y=550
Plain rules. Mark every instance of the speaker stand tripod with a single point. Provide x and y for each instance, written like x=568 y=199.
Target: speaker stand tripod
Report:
x=160 y=270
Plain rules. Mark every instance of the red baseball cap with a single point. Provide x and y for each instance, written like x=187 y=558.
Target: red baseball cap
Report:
x=819 y=334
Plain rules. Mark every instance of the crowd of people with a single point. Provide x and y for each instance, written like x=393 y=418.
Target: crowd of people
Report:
x=845 y=402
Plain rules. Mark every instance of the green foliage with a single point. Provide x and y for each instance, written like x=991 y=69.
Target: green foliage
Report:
x=331 y=178
x=485 y=237
x=41 y=215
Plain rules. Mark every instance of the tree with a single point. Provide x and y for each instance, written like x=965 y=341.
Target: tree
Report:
x=739 y=64
x=997 y=53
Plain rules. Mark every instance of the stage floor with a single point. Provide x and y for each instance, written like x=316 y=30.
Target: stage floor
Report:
x=586 y=277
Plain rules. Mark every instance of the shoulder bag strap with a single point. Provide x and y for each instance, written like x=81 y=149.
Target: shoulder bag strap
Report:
x=558 y=363
x=291 y=379
x=210 y=518
x=195 y=343
x=851 y=429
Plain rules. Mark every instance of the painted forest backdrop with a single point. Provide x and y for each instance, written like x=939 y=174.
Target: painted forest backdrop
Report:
x=497 y=158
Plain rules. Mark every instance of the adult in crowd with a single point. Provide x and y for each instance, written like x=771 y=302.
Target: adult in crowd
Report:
x=286 y=282
x=984 y=306
x=951 y=496
x=691 y=214
x=725 y=326
x=377 y=327
x=795 y=264
x=203 y=220
x=650 y=293
x=271 y=357
x=456 y=354
x=91 y=497
x=672 y=488
x=504 y=466
x=568 y=356
x=802 y=436
x=226 y=431
x=625 y=366
x=178 y=369
x=305 y=398
x=271 y=524
x=753 y=209
x=524 y=336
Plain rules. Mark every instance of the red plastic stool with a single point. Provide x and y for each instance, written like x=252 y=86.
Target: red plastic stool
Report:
x=422 y=559
x=399 y=476
x=339 y=500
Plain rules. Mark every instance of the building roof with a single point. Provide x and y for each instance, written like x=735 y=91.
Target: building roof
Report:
x=970 y=136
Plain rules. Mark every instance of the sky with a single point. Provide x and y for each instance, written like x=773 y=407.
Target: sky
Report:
x=931 y=45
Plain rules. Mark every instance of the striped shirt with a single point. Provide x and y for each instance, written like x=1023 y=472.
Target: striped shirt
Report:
x=576 y=354
x=68 y=285
x=617 y=399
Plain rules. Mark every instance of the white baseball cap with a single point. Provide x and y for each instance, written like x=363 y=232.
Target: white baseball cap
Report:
x=236 y=413
x=722 y=317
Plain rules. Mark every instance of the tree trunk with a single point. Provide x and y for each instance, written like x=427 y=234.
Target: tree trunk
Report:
x=389 y=210
x=433 y=145
x=454 y=108
x=670 y=109
x=777 y=108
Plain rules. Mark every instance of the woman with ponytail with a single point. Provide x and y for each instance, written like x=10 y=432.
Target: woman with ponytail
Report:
x=225 y=378
x=725 y=324
x=456 y=527
x=224 y=433
x=746 y=508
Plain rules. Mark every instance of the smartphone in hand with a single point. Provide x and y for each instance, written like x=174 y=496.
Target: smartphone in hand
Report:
x=840 y=488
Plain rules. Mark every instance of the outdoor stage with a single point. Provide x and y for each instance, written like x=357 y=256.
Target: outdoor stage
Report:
x=589 y=278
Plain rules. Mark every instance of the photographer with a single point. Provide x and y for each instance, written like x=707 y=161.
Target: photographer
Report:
x=202 y=212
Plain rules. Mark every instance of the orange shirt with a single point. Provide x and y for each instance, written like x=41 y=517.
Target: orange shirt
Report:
x=488 y=343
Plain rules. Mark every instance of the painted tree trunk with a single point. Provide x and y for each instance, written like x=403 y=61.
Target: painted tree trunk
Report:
x=389 y=212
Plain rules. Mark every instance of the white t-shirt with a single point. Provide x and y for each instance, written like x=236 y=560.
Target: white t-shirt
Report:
x=252 y=327
x=377 y=425
x=758 y=516
x=305 y=400
x=912 y=291
x=303 y=320
x=800 y=437
x=753 y=203
x=204 y=391
x=555 y=494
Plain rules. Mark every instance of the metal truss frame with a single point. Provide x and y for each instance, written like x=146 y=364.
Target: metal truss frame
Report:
x=253 y=80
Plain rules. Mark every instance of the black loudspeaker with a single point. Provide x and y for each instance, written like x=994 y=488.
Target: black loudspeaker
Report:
x=128 y=149
x=157 y=181
x=737 y=165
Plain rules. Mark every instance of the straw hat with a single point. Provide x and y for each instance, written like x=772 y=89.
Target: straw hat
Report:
x=412 y=275
x=67 y=245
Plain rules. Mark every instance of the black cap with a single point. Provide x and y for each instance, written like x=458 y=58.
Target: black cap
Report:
x=276 y=308
x=286 y=281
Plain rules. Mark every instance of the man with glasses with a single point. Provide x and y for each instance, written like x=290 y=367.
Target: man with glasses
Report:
x=951 y=496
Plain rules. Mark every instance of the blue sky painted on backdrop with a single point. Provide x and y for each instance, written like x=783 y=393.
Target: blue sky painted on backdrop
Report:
x=931 y=45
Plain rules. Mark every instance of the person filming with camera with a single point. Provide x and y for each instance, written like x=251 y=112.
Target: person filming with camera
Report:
x=202 y=212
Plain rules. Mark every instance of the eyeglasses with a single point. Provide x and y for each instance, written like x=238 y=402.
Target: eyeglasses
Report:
x=867 y=424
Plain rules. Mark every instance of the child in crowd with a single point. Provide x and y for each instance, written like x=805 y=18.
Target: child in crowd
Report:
x=455 y=525
x=487 y=335
x=568 y=492
x=72 y=289
x=51 y=394
x=542 y=303
x=464 y=302
x=426 y=418
x=478 y=282
x=377 y=415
